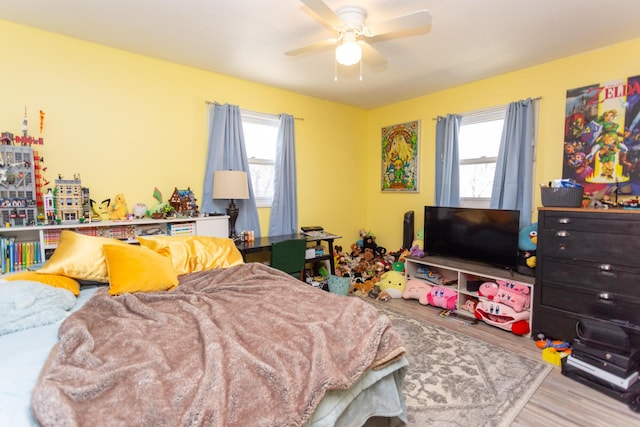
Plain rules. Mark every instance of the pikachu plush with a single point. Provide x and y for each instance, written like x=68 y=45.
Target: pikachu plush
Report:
x=100 y=211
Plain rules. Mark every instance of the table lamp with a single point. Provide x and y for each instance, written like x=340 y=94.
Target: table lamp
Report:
x=229 y=184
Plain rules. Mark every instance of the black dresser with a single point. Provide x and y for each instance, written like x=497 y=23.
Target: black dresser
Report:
x=588 y=266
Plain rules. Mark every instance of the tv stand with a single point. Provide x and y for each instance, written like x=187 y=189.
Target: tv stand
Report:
x=460 y=273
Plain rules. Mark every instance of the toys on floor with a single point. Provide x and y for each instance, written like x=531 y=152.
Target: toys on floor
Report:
x=443 y=297
x=553 y=351
x=417 y=289
x=393 y=283
x=366 y=263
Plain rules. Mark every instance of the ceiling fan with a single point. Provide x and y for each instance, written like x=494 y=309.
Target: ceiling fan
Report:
x=353 y=36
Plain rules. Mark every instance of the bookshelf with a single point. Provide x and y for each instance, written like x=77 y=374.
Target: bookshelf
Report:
x=21 y=247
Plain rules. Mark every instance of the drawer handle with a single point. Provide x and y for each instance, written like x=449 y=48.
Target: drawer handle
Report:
x=564 y=220
x=606 y=270
x=562 y=233
x=605 y=298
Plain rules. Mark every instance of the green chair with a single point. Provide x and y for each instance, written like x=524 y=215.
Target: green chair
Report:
x=289 y=256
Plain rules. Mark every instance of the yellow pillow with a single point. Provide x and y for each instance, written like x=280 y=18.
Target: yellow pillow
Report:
x=195 y=253
x=80 y=257
x=55 y=280
x=138 y=269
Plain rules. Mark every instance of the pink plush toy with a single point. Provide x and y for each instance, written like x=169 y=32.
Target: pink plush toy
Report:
x=488 y=290
x=417 y=289
x=503 y=316
x=514 y=286
x=511 y=298
x=443 y=297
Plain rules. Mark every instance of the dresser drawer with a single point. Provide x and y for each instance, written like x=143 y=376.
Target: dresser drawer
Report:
x=599 y=277
x=597 y=247
x=606 y=305
x=592 y=222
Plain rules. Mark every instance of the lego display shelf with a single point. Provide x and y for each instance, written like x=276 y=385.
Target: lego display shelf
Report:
x=21 y=247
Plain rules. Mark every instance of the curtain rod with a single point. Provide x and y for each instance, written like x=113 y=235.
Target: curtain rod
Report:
x=256 y=112
x=486 y=109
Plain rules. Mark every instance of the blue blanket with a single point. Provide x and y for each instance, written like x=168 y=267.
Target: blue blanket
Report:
x=25 y=304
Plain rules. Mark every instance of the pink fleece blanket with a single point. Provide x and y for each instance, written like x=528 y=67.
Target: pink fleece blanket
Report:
x=244 y=346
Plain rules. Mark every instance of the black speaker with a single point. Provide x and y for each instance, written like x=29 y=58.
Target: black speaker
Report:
x=408 y=230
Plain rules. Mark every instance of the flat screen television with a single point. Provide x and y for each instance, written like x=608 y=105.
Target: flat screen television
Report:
x=485 y=235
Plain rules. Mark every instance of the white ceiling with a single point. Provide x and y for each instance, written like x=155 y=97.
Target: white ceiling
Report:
x=469 y=39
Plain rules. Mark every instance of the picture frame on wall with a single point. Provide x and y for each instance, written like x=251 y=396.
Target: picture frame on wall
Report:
x=400 y=148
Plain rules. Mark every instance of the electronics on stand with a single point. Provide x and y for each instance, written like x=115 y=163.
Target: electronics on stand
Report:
x=408 y=227
x=603 y=359
x=615 y=381
x=484 y=235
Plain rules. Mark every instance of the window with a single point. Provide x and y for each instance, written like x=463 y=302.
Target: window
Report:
x=260 y=135
x=479 y=142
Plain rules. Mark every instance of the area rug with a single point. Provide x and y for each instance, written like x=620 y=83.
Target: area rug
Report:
x=455 y=380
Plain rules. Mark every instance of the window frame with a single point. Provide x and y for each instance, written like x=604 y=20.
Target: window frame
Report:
x=475 y=117
x=263 y=119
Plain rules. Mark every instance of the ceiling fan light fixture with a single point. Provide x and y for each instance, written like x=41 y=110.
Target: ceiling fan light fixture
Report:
x=348 y=52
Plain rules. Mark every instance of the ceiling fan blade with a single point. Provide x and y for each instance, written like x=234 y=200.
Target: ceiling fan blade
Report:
x=371 y=56
x=324 y=12
x=413 y=23
x=312 y=47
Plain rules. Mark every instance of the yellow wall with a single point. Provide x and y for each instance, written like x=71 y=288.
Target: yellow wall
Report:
x=127 y=123
x=549 y=81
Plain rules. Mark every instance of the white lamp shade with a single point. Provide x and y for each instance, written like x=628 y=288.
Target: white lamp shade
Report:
x=230 y=185
x=348 y=53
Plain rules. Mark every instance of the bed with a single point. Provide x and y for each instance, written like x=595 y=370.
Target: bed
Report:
x=230 y=345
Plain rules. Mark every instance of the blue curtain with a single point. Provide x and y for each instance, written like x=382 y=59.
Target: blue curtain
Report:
x=227 y=152
x=284 y=210
x=513 y=181
x=447 y=161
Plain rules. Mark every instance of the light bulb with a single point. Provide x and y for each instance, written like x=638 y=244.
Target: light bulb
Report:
x=348 y=53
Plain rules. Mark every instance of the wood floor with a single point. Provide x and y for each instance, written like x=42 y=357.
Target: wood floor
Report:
x=559 y=401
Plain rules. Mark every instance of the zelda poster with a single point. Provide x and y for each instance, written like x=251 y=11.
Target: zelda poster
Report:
x=400 y=157
x=602 y=137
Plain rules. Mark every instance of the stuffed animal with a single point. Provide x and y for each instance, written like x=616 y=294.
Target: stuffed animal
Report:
x=503 y=316
x=443 y=297
x=139 y=210
x=416 y=251
x=118 y=209
x=470 y=305
x=514 y=286
x=369 y=242
x=488 y=290
x=527 y=245
x=419 y=240
x=363 y=288
x=100 y=212
x=417 y=289
x=393 y=283
x=513 y=299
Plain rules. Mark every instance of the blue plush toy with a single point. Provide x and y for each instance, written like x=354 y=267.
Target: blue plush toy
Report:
x=527 y=243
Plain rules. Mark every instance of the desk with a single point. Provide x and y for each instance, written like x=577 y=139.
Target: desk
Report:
x=264 y=243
